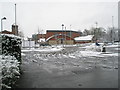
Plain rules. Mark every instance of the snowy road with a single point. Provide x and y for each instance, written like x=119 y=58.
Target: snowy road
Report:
x=73 y=67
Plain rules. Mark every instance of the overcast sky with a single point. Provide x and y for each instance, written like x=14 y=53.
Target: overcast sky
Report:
x=49 y=15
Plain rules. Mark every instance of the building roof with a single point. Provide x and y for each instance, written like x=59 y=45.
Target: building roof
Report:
x=51 y=37
x=56 y=35
x=6 y=32
x=11 y=35
x=61 y=31
x=84 y=38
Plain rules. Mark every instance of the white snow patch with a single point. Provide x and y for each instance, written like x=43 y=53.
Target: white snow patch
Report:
x=112 y=45
x=93 y=50
x=117 y=48
x=109 y=54
x=93 y=47
x=89 y=53
x=27 y=50
x=72 y=56
x=23 y=54
x=54 y=49
x=96 y=54
x=85 y=38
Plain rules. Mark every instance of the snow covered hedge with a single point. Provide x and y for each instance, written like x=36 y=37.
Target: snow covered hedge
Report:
x=11 y=45
x=9 y=71
x=10 y=60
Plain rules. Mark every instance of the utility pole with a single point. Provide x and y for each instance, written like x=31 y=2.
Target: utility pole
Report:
x=38 y=31
x=62 y=34
x=112 y=31
x=15 y=14
x=4 y=18
x=95 y=30
x=38 y=36
x=65 y=35
x=70 y=35
x=15 y=21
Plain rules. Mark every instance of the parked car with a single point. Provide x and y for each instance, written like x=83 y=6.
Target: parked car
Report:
x=44 y=44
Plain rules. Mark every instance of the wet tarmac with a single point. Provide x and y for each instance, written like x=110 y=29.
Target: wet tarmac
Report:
x=60 y=70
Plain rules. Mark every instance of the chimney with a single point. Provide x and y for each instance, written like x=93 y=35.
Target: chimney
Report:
x=15 y=29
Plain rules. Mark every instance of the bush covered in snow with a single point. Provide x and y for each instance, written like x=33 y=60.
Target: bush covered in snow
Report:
x=11 y=45
x=9 y=71
x=10 y=60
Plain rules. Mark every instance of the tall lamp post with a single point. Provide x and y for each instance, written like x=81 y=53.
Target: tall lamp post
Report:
x=62 y=33
x=4 y=18
x=95 y=31
x=112 y=30
x=70 y=35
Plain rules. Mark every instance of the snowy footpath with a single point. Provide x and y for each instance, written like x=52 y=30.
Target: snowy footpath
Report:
x=77 y=66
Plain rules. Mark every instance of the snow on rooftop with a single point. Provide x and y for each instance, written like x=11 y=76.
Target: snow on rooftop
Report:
x=81 y=38
x=57 y=30
x=52 y=37
x=12 y=35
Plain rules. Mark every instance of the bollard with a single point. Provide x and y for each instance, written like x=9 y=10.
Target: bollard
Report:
x=103 y=49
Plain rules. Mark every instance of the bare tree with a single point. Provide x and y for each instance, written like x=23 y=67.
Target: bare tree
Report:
x=112 y=34
x=20 y=33
x=86 y=32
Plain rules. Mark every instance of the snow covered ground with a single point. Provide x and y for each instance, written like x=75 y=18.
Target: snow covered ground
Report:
x=88 y=50
x=46 y=49
x=83 y=55
x=92 y=50
x=72 y=65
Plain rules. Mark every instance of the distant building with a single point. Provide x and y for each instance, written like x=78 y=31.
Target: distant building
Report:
x=39 y=38
x=56 y=37
x=28 y=44
x=61 y=36
x=14 y=30
x=7 y=32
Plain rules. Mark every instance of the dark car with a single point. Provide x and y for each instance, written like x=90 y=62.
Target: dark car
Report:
x=45 y=44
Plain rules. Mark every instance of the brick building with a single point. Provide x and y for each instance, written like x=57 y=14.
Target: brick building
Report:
x=57 y=36
x=14 y=30
x=61 y=36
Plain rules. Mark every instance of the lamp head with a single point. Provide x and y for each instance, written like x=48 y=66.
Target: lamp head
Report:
x=4 y=18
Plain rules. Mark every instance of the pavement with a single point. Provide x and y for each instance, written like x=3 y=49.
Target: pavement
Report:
x=56 y=70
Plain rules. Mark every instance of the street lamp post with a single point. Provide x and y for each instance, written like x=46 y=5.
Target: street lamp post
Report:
x=62 y=33
x=65 y=36
x=112 y=30
x=4 y=18
x=95 y=31
x=70 y=35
